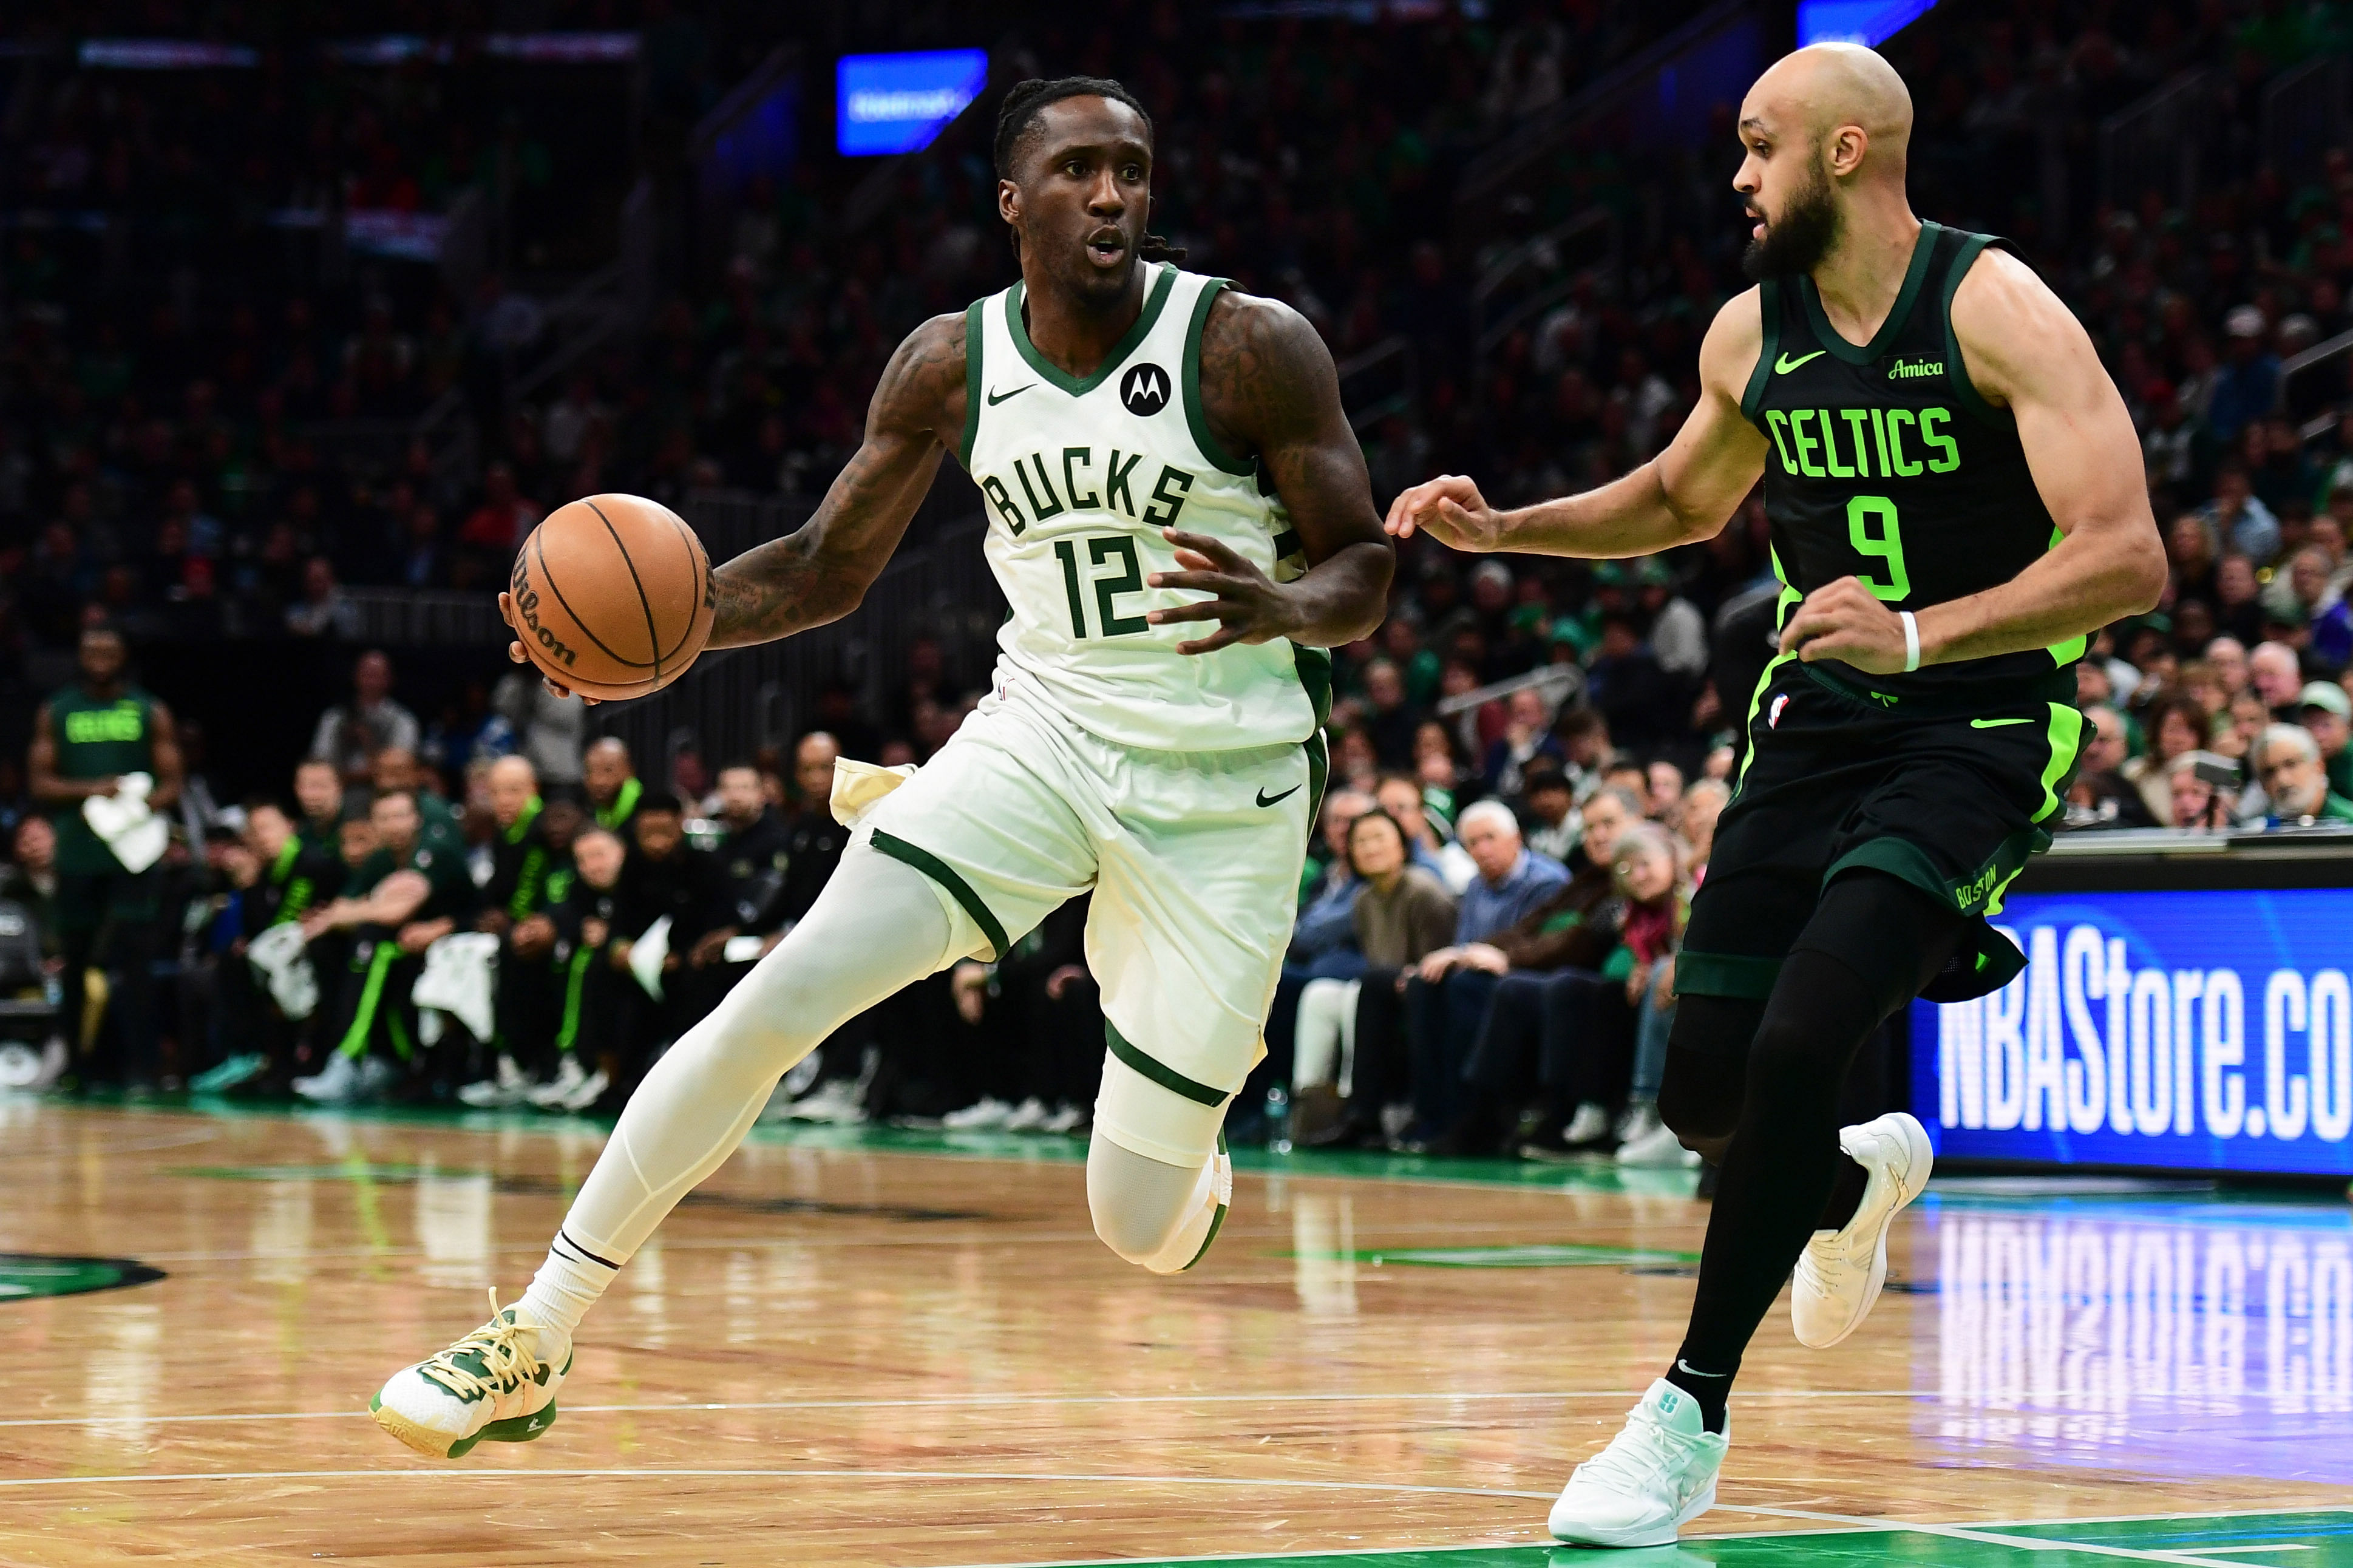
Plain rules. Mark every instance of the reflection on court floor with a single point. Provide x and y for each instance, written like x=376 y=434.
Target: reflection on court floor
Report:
x=2177 y=1337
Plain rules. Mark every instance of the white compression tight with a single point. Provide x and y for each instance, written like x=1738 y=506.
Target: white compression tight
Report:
x=878 y=926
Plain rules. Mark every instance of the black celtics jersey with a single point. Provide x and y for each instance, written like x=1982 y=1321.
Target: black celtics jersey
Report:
x=1888 y=467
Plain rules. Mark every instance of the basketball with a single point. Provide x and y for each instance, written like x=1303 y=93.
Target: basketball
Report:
x=612 y=597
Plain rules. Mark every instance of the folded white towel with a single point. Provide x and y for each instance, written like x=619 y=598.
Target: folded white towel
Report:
x=459 y=978
x=281 y=957
x=124 y=822
x=646 y=956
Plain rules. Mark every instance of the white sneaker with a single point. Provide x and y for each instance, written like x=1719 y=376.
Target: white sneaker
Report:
x=1655 y=1476
x=1639 y=1117
x=498 y=1382
x=987 y=1115
x=1656 y=1148
x=1840 y=1274
x=1067 y=1119
x=590 y=1090
x=1590 y=1125
x=338 y=1083
x=378 y=1076
x=836 y=1100
x=1029 y=1116
x=569 y=1076
x=510 y=1086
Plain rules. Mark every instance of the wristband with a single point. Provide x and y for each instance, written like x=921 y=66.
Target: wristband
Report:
x=1911 y=641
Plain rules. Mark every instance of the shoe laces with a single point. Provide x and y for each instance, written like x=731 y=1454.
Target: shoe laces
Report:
x=1643 y=1451
x=497 y=1348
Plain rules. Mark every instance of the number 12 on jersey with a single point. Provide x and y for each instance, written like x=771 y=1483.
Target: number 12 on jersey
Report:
x=1109 y=622
x=1862 y=512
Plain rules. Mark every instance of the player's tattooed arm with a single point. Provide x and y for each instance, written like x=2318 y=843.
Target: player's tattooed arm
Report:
x=1269 y=392
x=820 y=571
x=1684 y=494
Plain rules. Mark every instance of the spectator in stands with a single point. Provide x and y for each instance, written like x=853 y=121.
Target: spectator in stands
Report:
x=2238 y=605
x=2238 y=517
x=601 y=997
x=1425 y=831
x=1703 y=806
x=1447 y=993
x=350 y=734
x=2197 y=803
x=404 y=896
x=2325 y=709
x=610 y=779
x=1401 y=912
x=1038 y=1017
x=1552 y=826
x=2176 y=726
x=1678 y=632
x=319 y=793
x=548 y=729
x=2248 y=387
x=88 y=739
x=1547 y=966
x=324 y=609
x=2277 y=678
x=523 y=871
x=2296 y=784
x=1528 y=736
x=1389 y=718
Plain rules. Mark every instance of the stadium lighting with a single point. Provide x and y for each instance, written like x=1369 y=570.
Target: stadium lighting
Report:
x=165 y=55
x=899 y=103
x=1866 y=22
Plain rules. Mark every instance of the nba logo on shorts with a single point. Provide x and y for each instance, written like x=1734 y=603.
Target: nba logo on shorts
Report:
x=1773 y=715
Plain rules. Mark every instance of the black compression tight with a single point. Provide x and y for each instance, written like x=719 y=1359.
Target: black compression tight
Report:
x=1871 y=943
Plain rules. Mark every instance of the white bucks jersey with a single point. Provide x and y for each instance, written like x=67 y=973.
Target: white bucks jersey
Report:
x=1080 y=474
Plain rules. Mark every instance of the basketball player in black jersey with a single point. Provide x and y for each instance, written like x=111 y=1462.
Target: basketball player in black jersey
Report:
x=1955 y=497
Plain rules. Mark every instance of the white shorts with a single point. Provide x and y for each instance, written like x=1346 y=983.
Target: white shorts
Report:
x=1194 y=857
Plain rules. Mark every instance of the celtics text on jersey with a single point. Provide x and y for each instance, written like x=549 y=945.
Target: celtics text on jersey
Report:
x=1888 y=466
x=1080 y=474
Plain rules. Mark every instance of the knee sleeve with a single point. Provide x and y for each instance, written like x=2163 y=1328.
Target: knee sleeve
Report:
x=1157 y=1216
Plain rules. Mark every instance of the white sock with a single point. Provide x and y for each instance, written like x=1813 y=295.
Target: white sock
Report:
x=565 y=1287
x=879 y=925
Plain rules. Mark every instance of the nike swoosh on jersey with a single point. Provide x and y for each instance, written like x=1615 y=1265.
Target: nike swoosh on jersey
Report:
x=1785 y=364
x=1265 y=799
x=1996 y=723
x=995 y=398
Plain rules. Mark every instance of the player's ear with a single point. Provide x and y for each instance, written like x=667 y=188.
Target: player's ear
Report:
x=1008 y=202
x=1849 y=145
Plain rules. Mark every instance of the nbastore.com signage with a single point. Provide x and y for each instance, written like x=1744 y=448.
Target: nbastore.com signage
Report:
x=2187 y=1031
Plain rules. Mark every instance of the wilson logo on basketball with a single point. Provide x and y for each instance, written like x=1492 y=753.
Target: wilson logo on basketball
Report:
x=1144 y=390
x=526 y=604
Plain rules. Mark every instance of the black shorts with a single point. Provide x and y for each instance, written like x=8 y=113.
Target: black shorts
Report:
x=1951 y=800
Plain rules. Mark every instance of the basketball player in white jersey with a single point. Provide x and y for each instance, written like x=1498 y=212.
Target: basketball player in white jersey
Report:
x=1143 y=438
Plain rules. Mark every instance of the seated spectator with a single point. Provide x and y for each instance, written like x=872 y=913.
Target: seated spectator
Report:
x=524 y=869
x=1552 y=827
x=610 y=779
x=1540 y=961
x=599 y=995
x=1037 y=1018
x=1678 y=632
x=325 y=610
x=2295 y=785
x=1387 y=719
x=1428 y=835
x=1695 y=821
x=1402 y=912
x=665 y=878
x=1666 y=789
x=1525 y=737
x=2325 y=709
x=1648 y=871
x=2277 y=678
x=319 y=794
x=1446 y=993
x=2227 y=658
x=2199 y=805
x=404 y=896
x=350 y=734
x=2177 y=726
x=2238 y=517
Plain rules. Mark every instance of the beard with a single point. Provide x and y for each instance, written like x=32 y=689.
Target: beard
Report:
x=1797 y=241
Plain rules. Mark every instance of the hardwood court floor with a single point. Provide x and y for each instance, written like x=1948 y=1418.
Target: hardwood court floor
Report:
x=903 y=1350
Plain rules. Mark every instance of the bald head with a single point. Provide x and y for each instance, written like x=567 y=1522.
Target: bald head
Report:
x=513 y=785
x=1824 y=89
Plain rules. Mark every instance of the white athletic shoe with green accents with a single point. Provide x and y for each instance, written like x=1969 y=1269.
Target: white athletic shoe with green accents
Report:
x=1839 y=1274
x=498 y=1382
x=1655 y=1476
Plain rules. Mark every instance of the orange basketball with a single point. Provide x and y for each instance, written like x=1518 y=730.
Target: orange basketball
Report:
x=613 y=596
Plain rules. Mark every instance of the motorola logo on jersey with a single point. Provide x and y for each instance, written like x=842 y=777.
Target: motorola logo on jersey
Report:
x=1144 y=390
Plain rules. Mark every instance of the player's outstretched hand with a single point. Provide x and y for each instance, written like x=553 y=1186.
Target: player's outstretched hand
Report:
x=1842 y=620
x=1248 y=605
x=515 y=653
x=1451 y=510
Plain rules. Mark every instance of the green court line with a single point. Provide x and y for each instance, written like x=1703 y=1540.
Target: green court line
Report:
x=2318 y=1538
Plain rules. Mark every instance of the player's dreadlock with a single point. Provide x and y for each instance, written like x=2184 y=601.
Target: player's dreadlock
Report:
x=1023 y=102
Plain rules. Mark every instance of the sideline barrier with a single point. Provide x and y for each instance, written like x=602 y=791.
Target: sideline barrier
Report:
x=2186 y=1007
